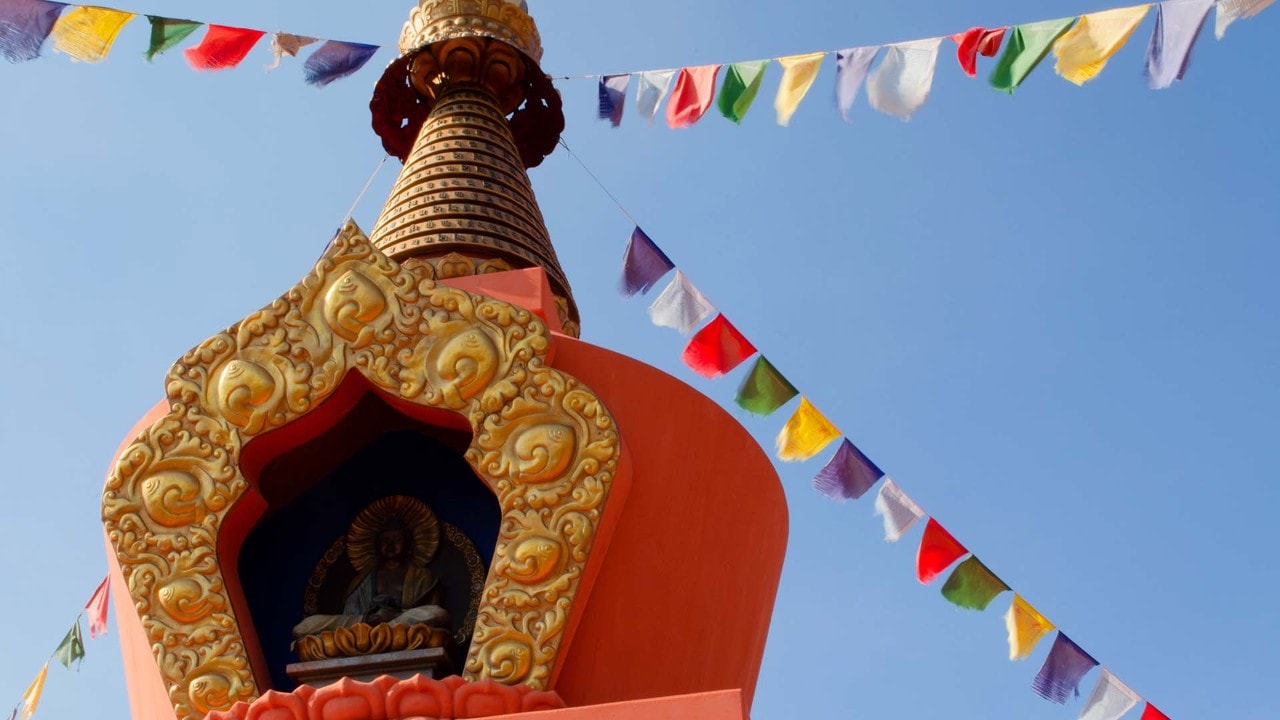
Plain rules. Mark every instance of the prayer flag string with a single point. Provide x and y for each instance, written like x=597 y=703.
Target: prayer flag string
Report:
x=898 y=86
x=70 y=650
x=720 y=347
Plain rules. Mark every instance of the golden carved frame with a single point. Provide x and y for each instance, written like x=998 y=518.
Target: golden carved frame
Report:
x=545 y=444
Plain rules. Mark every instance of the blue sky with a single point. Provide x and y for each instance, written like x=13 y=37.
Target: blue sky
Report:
x=1050 y=317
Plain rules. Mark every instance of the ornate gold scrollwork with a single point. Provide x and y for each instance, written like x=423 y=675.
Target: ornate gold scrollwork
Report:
x=544 y=443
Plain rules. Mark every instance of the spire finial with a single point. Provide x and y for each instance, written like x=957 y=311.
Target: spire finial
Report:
x=468 y=110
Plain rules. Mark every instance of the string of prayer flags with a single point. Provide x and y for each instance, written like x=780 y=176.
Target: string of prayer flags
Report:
x=849 y=475
x=901 y=83
x=71 y=649
x=1027 y=46
x=222 y=47
x=717 y=349
x=742 y=83
x=97 y=608
x=938 y=550
x=798 y=75
x=694 y=92
x=1231 y=10
x=287 y=44
x=24 y=26
x=806 y=434
x=900 y=512
x=613 y=97
x=852 y=65
x=1178 y=25
x=651 y=90
x=1151 y=713
x=1062 y=671
x=1026 y=627
x=1083 y=50
x=31 y=698
x=765 y=390
x=167 y=32
x=973 y=586
x=681 y=306
x=87 y=33
x=644 y=264
x=974 y=42
x=1110 y=699
x=335 y=60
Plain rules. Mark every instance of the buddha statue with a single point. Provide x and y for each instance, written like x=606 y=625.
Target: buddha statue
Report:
x=389 y=545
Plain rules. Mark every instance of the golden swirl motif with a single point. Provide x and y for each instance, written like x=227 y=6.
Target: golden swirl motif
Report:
x=535 y=559
x=210 y=691
x=351 y=306
x=246 y=391
x=510 y=661
x=467 y=363
x=541 y=441
x=187 y=600
x=174 y=498
x=542 y=453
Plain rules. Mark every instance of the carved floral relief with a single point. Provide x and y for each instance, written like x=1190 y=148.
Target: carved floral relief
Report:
x=543 y=442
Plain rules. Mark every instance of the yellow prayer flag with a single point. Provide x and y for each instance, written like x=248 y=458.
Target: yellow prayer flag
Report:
x=87 y=33
x=806 y=434
x=1026 y=627
x=1084 y=50
x=31 y=698
x=798 y=74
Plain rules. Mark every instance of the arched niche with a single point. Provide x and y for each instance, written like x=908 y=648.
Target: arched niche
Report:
x=179 y=497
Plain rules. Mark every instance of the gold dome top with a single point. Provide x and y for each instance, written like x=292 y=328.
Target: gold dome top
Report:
x=436 y=20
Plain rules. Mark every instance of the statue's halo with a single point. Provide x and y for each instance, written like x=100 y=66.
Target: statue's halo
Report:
x=362 y=539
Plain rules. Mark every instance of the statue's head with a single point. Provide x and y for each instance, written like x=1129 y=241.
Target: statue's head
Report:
x=393 y=540
x=393 y=529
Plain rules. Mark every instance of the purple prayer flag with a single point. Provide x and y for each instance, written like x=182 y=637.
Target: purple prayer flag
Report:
x=644 y=266
x=1178 y=25
x=1063 y=670
x=851 y=69
x=613 y=97
x=24 y=26
x=849 y=475
x=335 y=60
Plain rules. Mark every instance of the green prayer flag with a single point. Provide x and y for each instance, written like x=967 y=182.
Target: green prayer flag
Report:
x=167 y=32
x=72 y=647
x=1027 y=46
x=972 y=586
x=741 y=83
x=765 y=390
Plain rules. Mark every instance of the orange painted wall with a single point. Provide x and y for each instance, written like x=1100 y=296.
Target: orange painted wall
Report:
x=686 y=590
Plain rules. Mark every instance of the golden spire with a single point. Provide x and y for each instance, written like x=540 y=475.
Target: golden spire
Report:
x=468 y=110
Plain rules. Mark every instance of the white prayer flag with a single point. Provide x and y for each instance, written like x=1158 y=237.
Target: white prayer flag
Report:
x=681 y=306
x=901 y=82
x=286 y=44
x=1110 y=700
x=900 y=512
x=1230 y=11
x=653 y=88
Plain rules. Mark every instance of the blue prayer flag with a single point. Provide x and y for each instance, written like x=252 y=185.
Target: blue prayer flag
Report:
x=335 y=60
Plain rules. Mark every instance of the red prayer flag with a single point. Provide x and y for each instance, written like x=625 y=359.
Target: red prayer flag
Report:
x=97 y=607
x=938 y=550
x=717 y=349
x=222 y=47
x=975 y=41
x=1151 y=713
x=694 y=93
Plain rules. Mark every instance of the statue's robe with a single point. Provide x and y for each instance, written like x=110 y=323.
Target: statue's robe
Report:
x=417 y=597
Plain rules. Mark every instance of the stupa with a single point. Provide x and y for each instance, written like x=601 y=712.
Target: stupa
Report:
x=406 y=489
